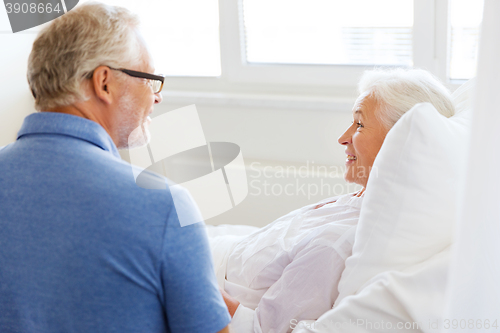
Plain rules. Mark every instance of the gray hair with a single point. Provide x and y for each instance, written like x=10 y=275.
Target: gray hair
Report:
x=69 y=49
x=398 y=90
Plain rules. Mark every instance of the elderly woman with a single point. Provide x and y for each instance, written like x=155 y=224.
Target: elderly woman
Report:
x=289 y=270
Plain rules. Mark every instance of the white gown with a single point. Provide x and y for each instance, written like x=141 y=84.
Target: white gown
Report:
x=289 y=270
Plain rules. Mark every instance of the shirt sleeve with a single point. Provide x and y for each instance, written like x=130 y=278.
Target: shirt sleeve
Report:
x=307 y=288
x=192 y=300
x=243 y=320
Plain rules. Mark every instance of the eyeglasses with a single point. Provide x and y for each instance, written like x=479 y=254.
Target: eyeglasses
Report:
x=156 y=80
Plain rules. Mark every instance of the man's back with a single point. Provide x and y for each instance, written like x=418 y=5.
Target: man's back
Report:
x=84 y=249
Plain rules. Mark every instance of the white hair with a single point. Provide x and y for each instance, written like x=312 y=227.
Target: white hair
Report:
x=398 y=90
x=68 y=50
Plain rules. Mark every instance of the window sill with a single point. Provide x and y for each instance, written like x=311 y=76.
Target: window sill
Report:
x=266 y=101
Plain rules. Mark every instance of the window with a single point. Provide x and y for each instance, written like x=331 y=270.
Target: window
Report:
x=305 y=44
x=333 y=32
x=330 y=43
x=183 y=36
x=466 y=17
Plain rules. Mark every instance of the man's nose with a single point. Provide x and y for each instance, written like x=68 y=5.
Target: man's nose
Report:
x=158 y=98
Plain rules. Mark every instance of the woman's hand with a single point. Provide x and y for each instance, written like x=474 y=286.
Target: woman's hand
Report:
x=231 y=303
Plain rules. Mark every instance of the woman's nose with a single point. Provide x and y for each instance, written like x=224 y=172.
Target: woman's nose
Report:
x=346 y=138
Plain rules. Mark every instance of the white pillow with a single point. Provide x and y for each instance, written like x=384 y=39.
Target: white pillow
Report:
x=412 y=195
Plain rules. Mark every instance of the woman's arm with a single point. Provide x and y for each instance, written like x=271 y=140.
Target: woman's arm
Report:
x=306 y=290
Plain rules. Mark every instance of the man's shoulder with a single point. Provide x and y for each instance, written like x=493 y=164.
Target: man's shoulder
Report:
x=103 y=164
x=2 y=149
x=146 y=188
x=126 y=180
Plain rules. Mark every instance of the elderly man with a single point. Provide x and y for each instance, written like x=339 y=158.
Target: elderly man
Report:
x=82 y=247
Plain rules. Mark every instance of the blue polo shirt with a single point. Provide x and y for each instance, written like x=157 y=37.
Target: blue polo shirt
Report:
x=84 y=249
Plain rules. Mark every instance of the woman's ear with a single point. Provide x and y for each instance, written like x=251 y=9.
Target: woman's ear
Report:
x=102 y=79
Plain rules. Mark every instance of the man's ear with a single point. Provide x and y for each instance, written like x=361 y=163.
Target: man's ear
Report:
x=102 y=80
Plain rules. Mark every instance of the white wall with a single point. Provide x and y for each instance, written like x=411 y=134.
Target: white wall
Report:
x=16 y=101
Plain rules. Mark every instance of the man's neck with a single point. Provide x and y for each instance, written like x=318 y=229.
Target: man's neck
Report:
x=80 y=111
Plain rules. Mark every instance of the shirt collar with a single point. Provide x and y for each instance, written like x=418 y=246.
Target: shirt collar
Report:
x=69 y=125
